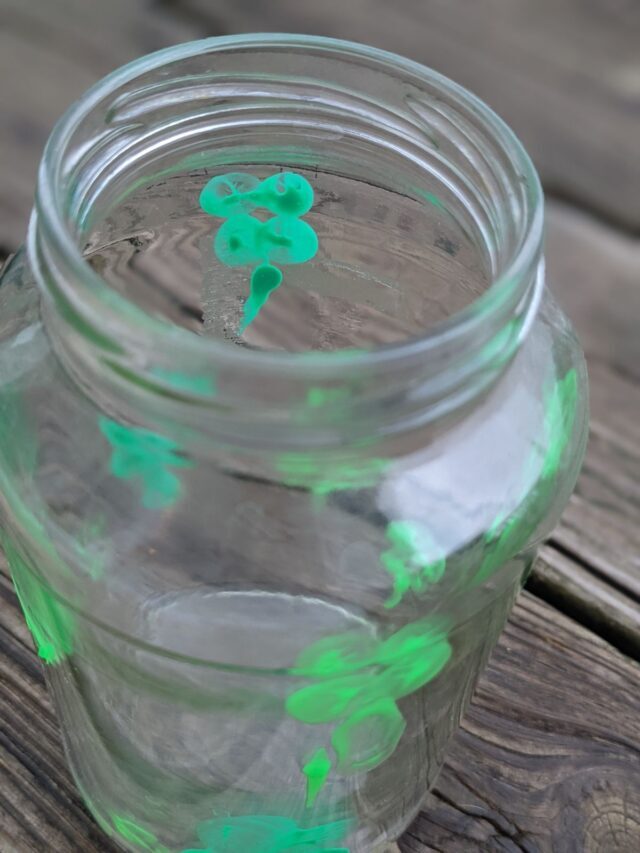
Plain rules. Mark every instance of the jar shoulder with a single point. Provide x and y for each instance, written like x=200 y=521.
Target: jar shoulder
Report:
x=524 y=438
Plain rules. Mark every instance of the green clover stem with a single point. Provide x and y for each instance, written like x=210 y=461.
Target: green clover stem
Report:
x=316 y=770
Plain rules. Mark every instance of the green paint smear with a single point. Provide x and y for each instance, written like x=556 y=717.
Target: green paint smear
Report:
x=268 y=834
x=316 y=770
x=185 y=382
x=358 y=682
x=244 y=240
x=146 y=456
x=128 y=830
x=560 y=415
x=413 y=560
x=433 y=199
x=52 y=626
x=322 y=477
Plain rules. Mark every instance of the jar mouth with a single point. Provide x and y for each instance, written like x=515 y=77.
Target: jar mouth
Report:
x=120 y=330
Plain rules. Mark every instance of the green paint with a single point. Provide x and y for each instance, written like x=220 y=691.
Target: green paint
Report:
x=327 y=701
x=144 y=455
x=339 y=654
x=434 y=200
x=357 y=682
x=318 y=397
x=285 y=194
x=413 y=560
x=130 y=831
x=316 y=770
x=185 y=382
x=322 y=476
x=51 y=624
x=268 y=834
x=368 y=736
x=560 y=414
x=244 y=240
x=264 y=280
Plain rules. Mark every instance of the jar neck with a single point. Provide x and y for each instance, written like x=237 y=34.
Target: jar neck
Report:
x=160 y=113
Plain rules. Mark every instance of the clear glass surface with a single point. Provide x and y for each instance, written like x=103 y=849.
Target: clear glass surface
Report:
x=264 y=567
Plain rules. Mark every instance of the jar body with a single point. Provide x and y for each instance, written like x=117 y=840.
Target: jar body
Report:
x=238 y=658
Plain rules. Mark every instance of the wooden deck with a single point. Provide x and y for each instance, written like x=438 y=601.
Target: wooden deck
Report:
x=548 y=757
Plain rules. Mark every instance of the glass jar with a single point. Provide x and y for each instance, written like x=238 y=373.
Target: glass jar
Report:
x=264 y=562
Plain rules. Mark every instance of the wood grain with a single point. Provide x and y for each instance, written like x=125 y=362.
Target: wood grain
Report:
x=565 y=74
x=548 y=757
x=593 y=270
x=577 y=590
x=50 y=53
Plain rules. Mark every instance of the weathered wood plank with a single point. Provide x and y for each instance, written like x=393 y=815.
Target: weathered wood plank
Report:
x=548 y=757
x=549 y=751
x=50 y=53
x=593 y=270
x=563 y=73
x=577 y=591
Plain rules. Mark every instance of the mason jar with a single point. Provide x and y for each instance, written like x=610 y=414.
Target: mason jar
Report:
x=270 y=489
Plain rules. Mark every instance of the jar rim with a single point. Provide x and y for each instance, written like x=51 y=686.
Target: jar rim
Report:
x=50 y=214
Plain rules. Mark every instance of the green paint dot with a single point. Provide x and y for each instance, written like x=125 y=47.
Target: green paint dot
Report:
x=327 y=701
x=368 y=737
x=316 y=770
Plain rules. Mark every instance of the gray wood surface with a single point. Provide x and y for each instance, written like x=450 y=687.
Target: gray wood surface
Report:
x=563 y=73
x=548 y=758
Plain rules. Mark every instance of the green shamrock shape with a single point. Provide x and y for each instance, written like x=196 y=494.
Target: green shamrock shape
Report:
x=357 y=681
x=244 y=239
